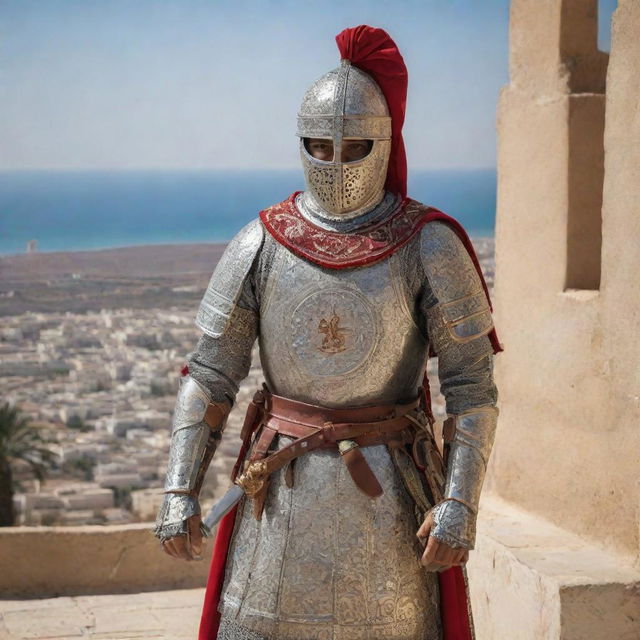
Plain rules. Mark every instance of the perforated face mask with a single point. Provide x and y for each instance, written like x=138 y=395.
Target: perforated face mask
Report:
x=345 y=103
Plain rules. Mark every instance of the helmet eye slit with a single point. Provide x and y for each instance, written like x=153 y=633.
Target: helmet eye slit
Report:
x=355 y=150
x=320 y=148
x=351 y=150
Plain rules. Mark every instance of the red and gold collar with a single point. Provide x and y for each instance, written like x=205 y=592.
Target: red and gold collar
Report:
x=341 y=250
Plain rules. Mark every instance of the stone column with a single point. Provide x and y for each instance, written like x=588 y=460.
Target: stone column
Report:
x=558 y=543
x=553 y=454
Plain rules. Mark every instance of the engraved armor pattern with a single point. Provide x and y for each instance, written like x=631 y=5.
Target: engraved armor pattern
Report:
x=455 y=519
x=318 y=217
x=342 y=332
x=455 y=285
x=339 y=337
x=458 y=321
x=191 y=439
x=190 y=436
x=228 y=317
x=465 y=366
x=191 y=404
x=220 y=303
x=175 y=510
x=353 y=186
x=349 y=97
x=327 y=562
x=331 y=247
x=230 y=630
x=353 y=126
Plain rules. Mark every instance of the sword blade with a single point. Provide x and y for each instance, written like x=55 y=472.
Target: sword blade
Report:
x=223 y=506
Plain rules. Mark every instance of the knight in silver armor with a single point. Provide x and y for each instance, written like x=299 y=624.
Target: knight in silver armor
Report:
x=325 y=560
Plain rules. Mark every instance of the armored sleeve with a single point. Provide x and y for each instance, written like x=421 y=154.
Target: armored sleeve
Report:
x=458 y=319
x=228 y=318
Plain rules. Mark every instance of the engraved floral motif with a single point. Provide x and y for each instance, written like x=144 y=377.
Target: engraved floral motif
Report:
x=334 y=249
x=326 y=561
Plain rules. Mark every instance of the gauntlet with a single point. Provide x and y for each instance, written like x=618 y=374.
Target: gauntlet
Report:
x=197 y=429
x=455 y=517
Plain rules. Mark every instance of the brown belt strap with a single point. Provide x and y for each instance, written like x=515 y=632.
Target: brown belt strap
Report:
x=359 y=469
x=252 y=420
x=333 y=433
x=255 y=480
x=315 y=427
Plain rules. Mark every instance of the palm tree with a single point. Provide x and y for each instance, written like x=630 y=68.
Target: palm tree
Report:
x=19 y=440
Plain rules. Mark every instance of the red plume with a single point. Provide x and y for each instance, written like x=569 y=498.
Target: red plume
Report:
x=373 y=51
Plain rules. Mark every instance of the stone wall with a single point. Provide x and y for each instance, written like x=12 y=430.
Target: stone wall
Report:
x=567 y=294
x=40 y=562
x=532 y=580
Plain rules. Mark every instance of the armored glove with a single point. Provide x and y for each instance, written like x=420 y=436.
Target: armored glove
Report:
x=455 y=517
x=197 y=428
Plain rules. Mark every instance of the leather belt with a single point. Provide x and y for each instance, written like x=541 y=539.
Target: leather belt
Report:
x=314 y=427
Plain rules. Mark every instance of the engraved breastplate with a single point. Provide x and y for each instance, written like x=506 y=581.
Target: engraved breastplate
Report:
x=339 y=337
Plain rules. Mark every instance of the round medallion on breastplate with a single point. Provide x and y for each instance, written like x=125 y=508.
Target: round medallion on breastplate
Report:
x=333 y=332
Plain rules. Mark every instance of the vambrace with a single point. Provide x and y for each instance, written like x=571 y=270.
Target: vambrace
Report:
x=455 y=517
x=197 y=428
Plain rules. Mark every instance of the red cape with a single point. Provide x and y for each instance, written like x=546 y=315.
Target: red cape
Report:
x=210 y=620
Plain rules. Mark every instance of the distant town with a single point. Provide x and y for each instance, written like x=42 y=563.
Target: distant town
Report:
x=102 y=385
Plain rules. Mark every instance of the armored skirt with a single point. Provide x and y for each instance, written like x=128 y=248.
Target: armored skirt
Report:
x=328 y=562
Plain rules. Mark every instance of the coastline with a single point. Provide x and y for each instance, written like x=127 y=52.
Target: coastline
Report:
x=140 y=260
x=135 y=277
x=99 y=209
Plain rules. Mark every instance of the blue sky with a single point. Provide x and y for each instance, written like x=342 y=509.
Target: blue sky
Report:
x=184 y=84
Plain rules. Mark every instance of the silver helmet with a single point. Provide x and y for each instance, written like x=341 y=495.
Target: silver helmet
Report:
x=345 y=103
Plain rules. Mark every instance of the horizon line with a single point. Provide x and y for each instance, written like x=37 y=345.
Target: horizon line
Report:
x=206 y=169
x=472 y=234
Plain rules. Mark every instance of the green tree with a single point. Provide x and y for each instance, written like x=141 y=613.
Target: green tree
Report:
x=19 y=441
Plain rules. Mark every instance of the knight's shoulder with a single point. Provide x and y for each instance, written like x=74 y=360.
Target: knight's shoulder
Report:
x=241 y=251
x=249 y=239
x=446 y=262
x=438 y=236
x=437 y=229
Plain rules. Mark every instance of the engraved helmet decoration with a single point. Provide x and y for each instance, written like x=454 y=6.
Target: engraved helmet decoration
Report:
x=345 y=103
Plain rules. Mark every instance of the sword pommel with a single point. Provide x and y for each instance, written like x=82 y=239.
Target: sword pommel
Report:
x=253 y=478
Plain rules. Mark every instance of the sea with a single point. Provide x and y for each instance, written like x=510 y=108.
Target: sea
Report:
x=86 y=210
